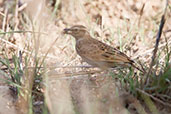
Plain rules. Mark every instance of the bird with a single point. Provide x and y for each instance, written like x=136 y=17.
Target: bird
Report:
x=97 y=53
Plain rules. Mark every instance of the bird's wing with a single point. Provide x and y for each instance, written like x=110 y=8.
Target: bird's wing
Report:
x=98 y=51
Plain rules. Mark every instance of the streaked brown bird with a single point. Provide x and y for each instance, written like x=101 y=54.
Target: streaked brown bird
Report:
x=95 y=52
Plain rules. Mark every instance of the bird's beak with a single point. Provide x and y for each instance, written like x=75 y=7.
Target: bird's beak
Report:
x=67 y=31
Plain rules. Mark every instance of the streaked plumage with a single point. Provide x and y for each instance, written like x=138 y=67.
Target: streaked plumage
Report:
x=95 y=52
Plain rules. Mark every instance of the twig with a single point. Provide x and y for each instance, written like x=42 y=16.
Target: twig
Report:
x=57 y=3
x=64 y=76
x=5 y=19
x=55 y=67
x=162 y=22
x=15 y=46
x=2 y=14
x=141 y=13
x=22 y=7
x=10 y=32
x=149 y=51
x=16 y=15
x=154 y=98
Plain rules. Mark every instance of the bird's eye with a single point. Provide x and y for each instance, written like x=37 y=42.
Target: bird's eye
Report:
x=76 y=30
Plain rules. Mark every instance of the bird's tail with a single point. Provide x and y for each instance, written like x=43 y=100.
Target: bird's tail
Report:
x=135 y=66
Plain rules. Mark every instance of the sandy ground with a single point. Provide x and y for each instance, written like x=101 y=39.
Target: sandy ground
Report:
x=83 y=94
x=7 y=106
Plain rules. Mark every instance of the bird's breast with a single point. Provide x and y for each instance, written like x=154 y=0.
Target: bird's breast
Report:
x=82 y=47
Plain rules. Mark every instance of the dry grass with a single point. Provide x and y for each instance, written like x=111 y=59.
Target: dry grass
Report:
x=35 y=29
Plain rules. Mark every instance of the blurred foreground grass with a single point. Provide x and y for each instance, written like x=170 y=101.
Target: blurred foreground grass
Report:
x=28 y=56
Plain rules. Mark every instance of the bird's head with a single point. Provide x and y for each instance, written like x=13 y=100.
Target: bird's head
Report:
x=77 y=31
